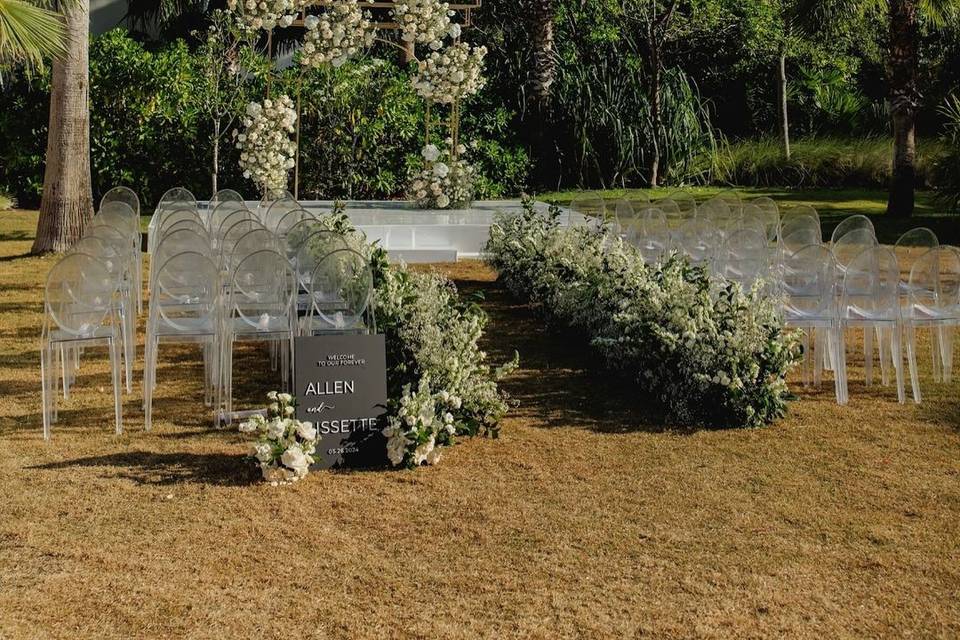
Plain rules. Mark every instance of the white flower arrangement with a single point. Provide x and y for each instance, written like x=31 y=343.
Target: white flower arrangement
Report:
x=425 y=22
x=285 y=446
x=712 y=353
x=264 y=14
x=266 y=148
x=455 y=73
x=337 y=34
x=419 y=426
x=447 y=180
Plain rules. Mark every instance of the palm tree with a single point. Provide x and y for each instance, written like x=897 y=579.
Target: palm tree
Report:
x=539 y=93
x=28 y=33
x=67 y=202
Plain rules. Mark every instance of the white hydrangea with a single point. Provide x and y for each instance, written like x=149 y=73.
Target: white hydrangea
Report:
x=425 y=22
x=451 y=74
x=284 y=447
x=264 y=14
x=266 y=148
x=447 y=180
x=337 y=34
x=709 y=351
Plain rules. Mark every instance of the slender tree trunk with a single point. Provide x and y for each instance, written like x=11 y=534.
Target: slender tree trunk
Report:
x=216 y=156
x=782 y=94
x=540 y=91
x=67 y=202
x=904 y=98
x=656 y=118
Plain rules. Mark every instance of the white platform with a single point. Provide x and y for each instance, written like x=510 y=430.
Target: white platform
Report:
x=419 y=235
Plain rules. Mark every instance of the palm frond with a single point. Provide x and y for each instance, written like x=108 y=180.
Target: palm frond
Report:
x=29 y=33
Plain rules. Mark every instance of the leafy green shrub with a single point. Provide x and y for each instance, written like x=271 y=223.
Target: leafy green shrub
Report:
x=7 y=201
x=710 y=352
x=820 y=162
x=947 y=169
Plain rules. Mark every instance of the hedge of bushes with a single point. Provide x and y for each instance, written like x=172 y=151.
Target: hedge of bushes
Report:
x=712 y=353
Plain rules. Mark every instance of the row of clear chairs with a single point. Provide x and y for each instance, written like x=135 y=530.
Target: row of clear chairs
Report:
x=279 y=273
x=825 y=286
x=91 y=298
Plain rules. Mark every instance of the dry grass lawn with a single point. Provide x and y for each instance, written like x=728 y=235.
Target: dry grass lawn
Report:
x=587 y=518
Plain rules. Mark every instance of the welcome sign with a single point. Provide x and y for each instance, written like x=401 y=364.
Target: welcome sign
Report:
x=341 y=387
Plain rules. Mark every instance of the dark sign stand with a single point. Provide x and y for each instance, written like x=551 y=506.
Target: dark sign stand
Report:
x=340 y=382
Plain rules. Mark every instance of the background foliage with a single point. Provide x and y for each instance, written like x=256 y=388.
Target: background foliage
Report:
x=360 y=134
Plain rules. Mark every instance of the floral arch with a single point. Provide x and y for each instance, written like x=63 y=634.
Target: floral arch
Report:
x=449 y=70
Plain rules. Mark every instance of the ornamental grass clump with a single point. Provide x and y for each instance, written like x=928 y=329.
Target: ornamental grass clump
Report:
x=712 y=353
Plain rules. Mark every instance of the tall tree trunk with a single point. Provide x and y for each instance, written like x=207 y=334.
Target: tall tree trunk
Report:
x=540 y=90
x=67 y=203
x=782 y=94
x=216 y=156
x=904 y=98
x=654 y=94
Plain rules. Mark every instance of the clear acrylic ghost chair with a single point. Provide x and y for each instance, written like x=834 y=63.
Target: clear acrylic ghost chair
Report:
x=699 y=240
x=341 y=295
x=232 y=235
x=686 y=203
x=224 y=195
x=313 y=249
x=933 y=302
x=185 y=308
x=768 y=206
x=870 y=299
x=851 y=224
x=229 y=220
x=257 y=239
x=269 y=198
x=113 y=255
x=807 y=225
x=752 y=218
x=120 y=215
x=296 y=236
x=187 y=225
x=219 y=212
x=125 y=195
x=845 y=249
x=809 y=303
x=277 y=210
x=173 y=198
x=745 y=258
x=909 y=247
x=258 y=307
x=291 y=218
x=670 y=209
x=78 y=312
x=178 y=241
x=720 y=214
x=732 y=200
x=654 y=237
x=161 y=222
x=799 y=211
x=764 y=211
x=625 y=217
x=590 y=206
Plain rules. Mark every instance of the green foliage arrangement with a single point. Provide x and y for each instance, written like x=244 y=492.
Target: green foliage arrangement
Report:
x=710 y=352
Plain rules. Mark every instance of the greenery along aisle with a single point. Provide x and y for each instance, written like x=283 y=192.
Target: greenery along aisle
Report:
x=712 y=353
x=438 y=380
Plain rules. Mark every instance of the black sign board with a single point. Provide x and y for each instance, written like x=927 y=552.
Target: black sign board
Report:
x=340 y=382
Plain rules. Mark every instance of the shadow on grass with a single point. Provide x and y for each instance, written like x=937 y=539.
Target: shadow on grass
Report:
x=161 y=469
x=561 y=380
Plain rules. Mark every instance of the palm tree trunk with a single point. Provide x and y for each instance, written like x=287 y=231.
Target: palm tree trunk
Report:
x=904 y=98
x=540 y=89
x=784 y=116
x=67 y=203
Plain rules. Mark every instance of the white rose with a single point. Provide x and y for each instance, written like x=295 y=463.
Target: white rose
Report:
x=454 y=30
x=443 y=201
x=294 y=458
x=286 y=21
x=307 y=431
x=431 y=153
x=276 y=430
x=396 y=449
x=441 y=170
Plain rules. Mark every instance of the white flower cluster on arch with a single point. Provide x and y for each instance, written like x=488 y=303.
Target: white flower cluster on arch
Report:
x=452 y=74
x=337 y=34
x=425 y=22
x=266 y=149
x=264 y=14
